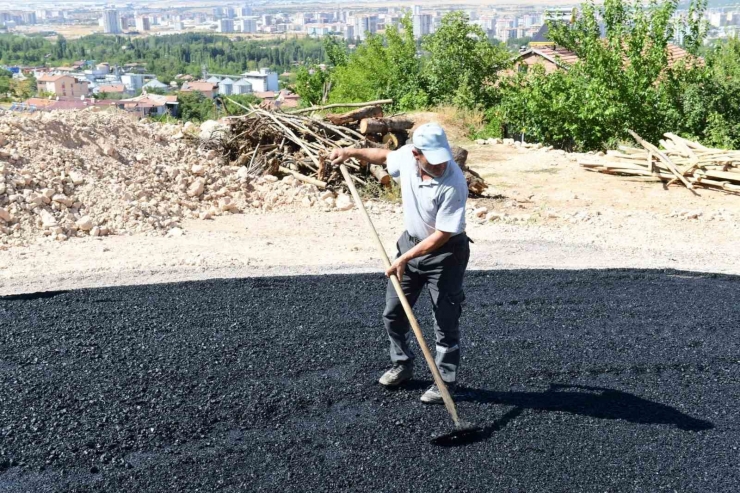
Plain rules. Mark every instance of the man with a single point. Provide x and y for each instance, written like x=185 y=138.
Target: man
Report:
x=432 y=252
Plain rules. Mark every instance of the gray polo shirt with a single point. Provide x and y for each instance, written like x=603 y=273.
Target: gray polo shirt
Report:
x=437 y=204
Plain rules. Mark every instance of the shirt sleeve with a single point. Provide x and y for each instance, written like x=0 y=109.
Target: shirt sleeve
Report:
x=396 y=159
x=451 y=212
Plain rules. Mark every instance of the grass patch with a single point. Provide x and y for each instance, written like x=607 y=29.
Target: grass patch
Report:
x=374 y=190
x=549 y=171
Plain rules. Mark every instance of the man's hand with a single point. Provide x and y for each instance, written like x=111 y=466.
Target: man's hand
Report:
x=398 y=268
x=338 y=156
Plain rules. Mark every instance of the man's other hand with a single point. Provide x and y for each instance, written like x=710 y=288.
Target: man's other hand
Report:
x=398 y=268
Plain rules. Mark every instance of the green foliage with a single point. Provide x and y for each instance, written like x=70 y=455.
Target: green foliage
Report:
x=243 y=99
x=195 y=107
x=165 y=56
x=621 y=81
x=461 y=65
x=311 y=84
x=385 y=66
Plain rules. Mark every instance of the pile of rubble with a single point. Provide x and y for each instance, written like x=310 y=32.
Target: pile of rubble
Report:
x=97 y=173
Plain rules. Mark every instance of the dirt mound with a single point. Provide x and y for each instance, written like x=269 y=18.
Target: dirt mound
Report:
x=71 y=174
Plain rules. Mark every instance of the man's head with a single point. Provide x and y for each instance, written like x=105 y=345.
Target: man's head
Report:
x=431 y=149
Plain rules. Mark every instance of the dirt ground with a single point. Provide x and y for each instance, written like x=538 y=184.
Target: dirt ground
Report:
x=553 y=214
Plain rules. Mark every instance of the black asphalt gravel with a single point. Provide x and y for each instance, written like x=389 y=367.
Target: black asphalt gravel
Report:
x=589 y=381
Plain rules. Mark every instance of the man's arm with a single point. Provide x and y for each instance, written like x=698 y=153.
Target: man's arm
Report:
x=435 y=241
x=372 y=156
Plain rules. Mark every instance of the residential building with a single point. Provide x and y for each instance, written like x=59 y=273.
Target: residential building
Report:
x=63 y=86
x=422 y=25
x=208 y=89
x=218 y=12
x=267 y=20
x=225 y=26
x=149 y=105
x=366 y=24
x=245 y=11
x=111 y=21
x=133 y=82
x=248 y=25
x=143 y=24
x=154 y=84
x=110 y=89
x=263 y=81
x=349 y=32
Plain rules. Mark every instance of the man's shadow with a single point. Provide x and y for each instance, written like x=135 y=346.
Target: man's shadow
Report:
x=596 y=402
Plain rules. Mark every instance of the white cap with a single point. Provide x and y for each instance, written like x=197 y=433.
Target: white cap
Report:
x=431 y=140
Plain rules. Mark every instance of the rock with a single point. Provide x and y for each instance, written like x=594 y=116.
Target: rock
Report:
x=480 y=142
x=198 y=169
x=77 y=178
x=109 y=150
x=212 y=129
x=494 y=141
x=226 y=204
x=205 y=216
x=5 y=215
x=175 y=233
x=95 y=231
x=196 y=189
x=63 y=199
x=85 y=223
x=344 y=202
x=47 y=219
x=242 y=173
x=495 y=216
x=481 y=212
x=326 y=195
x=188 y=126
x=270 y=178
x=508 y=142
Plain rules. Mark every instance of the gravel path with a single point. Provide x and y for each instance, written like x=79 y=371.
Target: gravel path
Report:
x=585 y=380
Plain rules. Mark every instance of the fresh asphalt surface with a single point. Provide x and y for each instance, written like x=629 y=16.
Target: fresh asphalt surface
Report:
x=583 y=381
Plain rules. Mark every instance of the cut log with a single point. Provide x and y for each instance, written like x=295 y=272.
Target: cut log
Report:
x=380 y=174
x=384 y=125
x=390 y=141
x=356 y=115
x=342 y=105
x=460 y=156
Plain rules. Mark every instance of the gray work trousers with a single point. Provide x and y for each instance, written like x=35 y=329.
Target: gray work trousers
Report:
x=442 y=272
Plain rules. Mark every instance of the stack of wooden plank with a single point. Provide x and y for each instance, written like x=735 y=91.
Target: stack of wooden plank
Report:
x=273 y=142
x=680 y=161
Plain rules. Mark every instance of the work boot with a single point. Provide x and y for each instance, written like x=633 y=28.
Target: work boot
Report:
x=397 y=375
x=434 y=396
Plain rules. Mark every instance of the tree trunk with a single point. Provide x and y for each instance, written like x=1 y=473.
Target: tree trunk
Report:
x=384 y=125
x=356 y=115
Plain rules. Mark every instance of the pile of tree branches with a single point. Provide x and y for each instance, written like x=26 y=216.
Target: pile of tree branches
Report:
x=267 y=141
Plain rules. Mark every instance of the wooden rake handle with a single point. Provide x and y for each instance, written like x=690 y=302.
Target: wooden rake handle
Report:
x=449 y=403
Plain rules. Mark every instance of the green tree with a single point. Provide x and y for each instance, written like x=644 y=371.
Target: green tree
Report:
x=461 y=65
x=622 y=80
x=195 y=107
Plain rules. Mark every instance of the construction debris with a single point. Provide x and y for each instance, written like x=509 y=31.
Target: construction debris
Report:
x=681 y=161
x=271 y=143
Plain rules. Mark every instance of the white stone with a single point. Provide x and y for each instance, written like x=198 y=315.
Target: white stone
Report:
x=270 y=178
x=85 y=223
x=212 y=129
x=47 y=219
x=63 y=199
x=77 y=178
x=242 y=173
x=196 y=189
x=95 y=231
x=175 y=233
x=5 y=215
x=198 y=169
x=481 y=212
x=344 y=202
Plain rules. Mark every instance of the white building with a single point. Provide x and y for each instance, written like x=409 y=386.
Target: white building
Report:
x=366 y=24
x=154 y=84
x=349 y=32
x=143 y=24
x=132 y=82
x=111 y=21
x=422 y=25
x=225 y=26
x=263 y=81
x=248 y=25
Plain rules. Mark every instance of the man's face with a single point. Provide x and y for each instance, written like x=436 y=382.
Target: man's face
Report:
x=435 y=170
